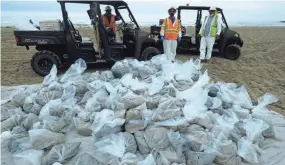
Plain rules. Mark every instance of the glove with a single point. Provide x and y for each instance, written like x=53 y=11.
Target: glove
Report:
x=162 y=38
x=179 y=39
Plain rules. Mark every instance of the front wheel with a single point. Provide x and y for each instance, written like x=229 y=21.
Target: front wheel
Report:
x=149 y=52
x=43 y=61
x=232 y=52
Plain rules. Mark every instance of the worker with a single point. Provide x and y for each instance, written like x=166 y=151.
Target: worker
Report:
x=209 y=32
x=109 y=20
x=170 y=33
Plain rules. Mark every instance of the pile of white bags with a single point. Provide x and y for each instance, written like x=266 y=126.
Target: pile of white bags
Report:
x=145 y=113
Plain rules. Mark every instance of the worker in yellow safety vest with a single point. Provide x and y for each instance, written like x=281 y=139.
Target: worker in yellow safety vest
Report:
x=209 y=32
x=170 y=33
x=109 y=20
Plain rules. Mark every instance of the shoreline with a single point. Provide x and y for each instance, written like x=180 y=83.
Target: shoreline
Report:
x=234 y=26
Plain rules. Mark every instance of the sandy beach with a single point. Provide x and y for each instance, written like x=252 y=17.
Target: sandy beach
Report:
x=261 y=68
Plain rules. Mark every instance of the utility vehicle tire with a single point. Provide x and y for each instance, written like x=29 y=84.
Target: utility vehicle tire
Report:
x=43 y=61
x=183 y=46
x=232 y=52
x=149 y=52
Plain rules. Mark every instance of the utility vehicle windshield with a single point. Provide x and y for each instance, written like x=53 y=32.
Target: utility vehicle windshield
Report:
x=127 y=17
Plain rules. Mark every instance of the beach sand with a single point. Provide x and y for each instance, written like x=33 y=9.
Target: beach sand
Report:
x=261 y=68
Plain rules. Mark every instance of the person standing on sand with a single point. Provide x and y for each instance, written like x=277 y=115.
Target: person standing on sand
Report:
x=209 y=32
x=170 y=33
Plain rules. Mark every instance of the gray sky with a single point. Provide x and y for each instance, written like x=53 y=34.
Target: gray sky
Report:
x=145 y=11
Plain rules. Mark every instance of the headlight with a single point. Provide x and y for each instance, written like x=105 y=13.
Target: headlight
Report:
x=236 y=35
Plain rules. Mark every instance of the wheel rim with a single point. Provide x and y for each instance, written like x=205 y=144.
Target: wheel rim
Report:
x=45 y=65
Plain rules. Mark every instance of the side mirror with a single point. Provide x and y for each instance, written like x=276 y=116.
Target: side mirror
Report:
x=90 y=14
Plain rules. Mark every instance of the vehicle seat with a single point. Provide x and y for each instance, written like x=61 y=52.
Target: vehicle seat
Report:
x=87 y=42
x=86 y=39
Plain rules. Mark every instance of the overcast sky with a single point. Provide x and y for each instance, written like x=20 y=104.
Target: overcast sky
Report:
x=145 y=11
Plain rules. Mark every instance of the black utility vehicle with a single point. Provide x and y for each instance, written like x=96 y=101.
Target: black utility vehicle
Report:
x=228 y=45
x=64 y=46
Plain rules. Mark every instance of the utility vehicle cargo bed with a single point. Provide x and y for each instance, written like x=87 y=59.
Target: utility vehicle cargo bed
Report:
x=29 y=37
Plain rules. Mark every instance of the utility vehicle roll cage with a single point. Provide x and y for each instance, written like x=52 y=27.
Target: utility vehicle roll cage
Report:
x=199 y=12
x=118 y=5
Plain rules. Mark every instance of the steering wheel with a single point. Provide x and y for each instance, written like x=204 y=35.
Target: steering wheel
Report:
x=121 y=27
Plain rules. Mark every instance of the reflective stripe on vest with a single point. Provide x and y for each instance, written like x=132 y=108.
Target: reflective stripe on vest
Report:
x=171 y=32
x=214 y=26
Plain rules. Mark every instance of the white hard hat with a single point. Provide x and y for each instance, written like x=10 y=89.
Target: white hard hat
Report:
x=108 y=8
x=172 y=8
x=213 y=8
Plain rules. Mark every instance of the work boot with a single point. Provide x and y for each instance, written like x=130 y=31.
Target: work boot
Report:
x=207 y=60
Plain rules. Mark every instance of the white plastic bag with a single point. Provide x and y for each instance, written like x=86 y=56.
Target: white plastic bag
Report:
x=11 y=122
x=166 y=114
x=196 y=90
x=42 y=138
x=29 y=157
x=86 y=159
x=121 y=68
x=7 y=113
x=83 y=128
x=194 y=111
x=6 y=156
x=107 y=76
x=241 y=112
x=19 y=96
x=46 y=95
x=31 y=105
x=149 y=160
x=169 y=90
x=135 y=113
x=131 y=100
x=177 y=141
x=74 y=71
x=61 y=153
x=242 y=98
x=131 y=145
x=225 y=124
x=96 y=85
x=51 y=77
x=89 y=77
x=141 y=142
x=113 y=144
x=254 y=128
x=265 y=100
x=176 y=122
x=199 y=158
x=29 y=121
x=227 y=153
x=105 y=122
x=155 y=86
x=156 y=137
x=68 y=92
x=197 y=139
x=133 y=83
x=172 y=156
x=97 y=101
x=246 y=149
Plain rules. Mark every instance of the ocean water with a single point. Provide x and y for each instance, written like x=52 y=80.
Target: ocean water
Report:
x=21 y=19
